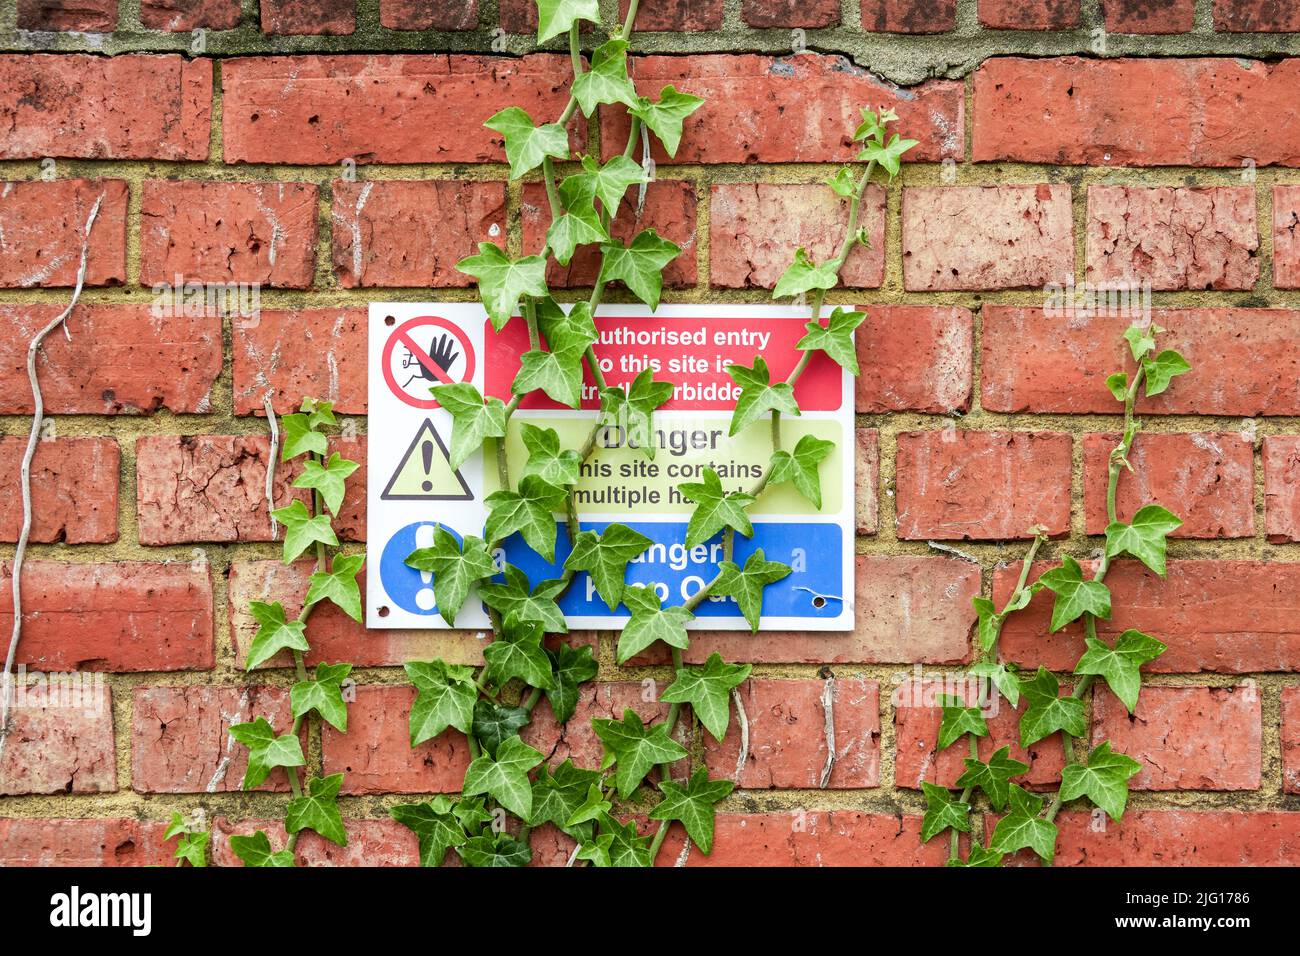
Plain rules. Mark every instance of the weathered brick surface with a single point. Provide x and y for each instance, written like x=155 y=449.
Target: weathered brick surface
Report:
x=577 y=740
x=955 y=484
x=1286 y=242
x=674 y=15
x=300 y=352
x=379 y=842
x=74 y=490
x=1173 y=238
x=125 y=616
x=914 y=358
x=1206 y=478
x=412 y=233
x=61 y=740
x=185 y=15
x=262 y=233
x=867 y=477
x=1029 y=14
x=86 y=15
x=333 y=17
x=909 y=16
x=44 y=227
x=755 y=228
x=1291 y=739
x=790 y=13
x=1256 y=16
x=986 y=237
x=428 y=14
x=1148 y=16
x=90 y=842
x=1281 y=454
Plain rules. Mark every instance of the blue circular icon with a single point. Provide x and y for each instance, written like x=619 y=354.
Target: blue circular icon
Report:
x=409 y=589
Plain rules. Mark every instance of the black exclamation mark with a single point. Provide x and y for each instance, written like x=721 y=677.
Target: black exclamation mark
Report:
x=426 y=453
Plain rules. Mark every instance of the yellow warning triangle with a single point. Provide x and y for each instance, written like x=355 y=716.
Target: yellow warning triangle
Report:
x=425 y=472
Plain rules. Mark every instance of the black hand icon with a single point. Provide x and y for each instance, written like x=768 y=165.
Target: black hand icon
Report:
x=443 y=352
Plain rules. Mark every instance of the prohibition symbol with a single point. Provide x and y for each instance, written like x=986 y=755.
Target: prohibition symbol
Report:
x=423 y=352
x=425 y=472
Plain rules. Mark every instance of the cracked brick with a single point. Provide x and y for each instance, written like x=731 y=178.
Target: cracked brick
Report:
x=61 y=740
x=296 y=352
x=74 y=490
x=43 y=227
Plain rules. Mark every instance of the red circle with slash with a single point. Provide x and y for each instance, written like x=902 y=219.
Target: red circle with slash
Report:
x=429 y=372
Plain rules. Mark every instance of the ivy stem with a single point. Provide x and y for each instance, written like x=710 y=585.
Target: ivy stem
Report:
x=954 y=850
x=631 y=19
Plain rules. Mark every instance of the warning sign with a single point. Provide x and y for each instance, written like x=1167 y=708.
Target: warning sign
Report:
x=689 y=346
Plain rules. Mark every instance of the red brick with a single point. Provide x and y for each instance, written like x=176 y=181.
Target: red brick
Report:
x=802 y=109
x=383 y=109
x=181 y=743
x=333 y=17
x=375 y=222
x=909 y=16
x=57 y=842
x=1173 y=238
x=914 y=358
x=333 y=635
x=181 y=16
x=755 y=229
x=88 y=107
x=428 y=14
x=1206 y=478
x=1186 y=738
x=90 y=16
x=1256 y=16
x=61 y=740
x=669 y=210
x=787 y=736
x=790 y=13
x=986 y=237
x=868 y=480
x=350 y=522
x=577 y=740
x=812 y=838
x=74 y=490
x=1033 y=361
x=141 y=362
x=1291 y=739
x=376 y=754
x=261 y=233
x=1029 y=14
x=1079 y=111
x=1232 y=617
x=1148 y=16
x=370 y=843
x=44 y=226
x=981 y=485
x=125 y=616
x=300 y=352
x=1286 y=244
x=918 y=713
x=673 y=15
x=1281 y=456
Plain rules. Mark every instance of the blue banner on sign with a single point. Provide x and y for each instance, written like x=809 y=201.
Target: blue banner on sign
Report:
x=409 y=589
x=813 y=590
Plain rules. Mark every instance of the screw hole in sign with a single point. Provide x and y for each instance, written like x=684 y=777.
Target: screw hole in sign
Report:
x=383 y=610
x=389 y=320
x=423 y=352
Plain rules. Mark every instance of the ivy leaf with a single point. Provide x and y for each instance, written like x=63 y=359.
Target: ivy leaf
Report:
x=527 y=145
x=274 y=634
x=1074 y=596
x=435 y=826
x=640 y=266
x=191 y=846
x=634 y=410
x=302 y=529
x=1141 y=340
x=665 y=116
x=339 y=585
x=329 y=479
x=715 y=509
x=495 y=850
x=757 y=396
x=708 y=690
x=1003 y=679
x=746 y=585
x=871 y=126
x=455 y=568
x=990 y=622
x=561 y=325
x=558 y=796
x=627 y=848
x=959 y=720
x=445 y=695
x=993 y=777
x=979 y=857
x=800 y=467
x=1047 y=712
x=520 y=606
x=1144 y=539
x=605 y=557
x=572 y=667
x=580 y=224
x=502 y=280
x=607 y=80
x=835 y=338
x=266 y=750
x=1023 y=827
x=1104 y=780
x=1120 y=665
x=558 y=16
x=942 y=810
x=505 y=776
x=318 y=810
x=473 y=420
x=635 y=748
x=804 y=274
x=594 y=807
x=651 y=622
x=529 y=511
x=546 y=460
x=596 y=851
x=494 y=723
x=256 y=850
x=843 y=183
x=323 y=695
x=1118 y=385
x=693 y=805
x=472 y=812
x=888 y=155
x=611 y=181
x=1160 y=371
x=519 y=653
x=299 y=438
x=558 y=373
